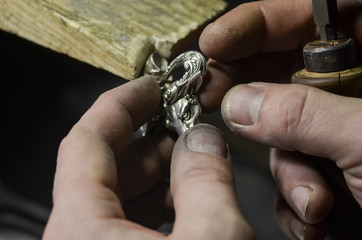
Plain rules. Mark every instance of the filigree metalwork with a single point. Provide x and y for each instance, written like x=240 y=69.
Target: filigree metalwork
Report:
x=180 y=108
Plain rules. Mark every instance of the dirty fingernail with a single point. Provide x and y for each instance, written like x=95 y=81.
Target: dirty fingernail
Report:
x=243 y=104
x=208 y=139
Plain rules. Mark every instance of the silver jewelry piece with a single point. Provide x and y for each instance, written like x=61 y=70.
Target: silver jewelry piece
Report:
x=180 y=108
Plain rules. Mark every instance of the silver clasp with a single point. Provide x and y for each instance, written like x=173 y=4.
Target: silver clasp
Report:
x=180 y=108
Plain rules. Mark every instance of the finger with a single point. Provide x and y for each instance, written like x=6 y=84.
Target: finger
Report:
x=140 y=171
x=259 y=26
x=203 y=189
x=86 y=172
x=100 y=134
x=215 y=85
x=297 y=117
x=301 y=118
x=271 y=26
x=302 y=186
x=294 y=227
x=153 y=208
x=120 y=111
x=86 y=156
x=264 y=67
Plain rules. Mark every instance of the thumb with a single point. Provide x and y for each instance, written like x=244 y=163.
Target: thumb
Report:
x=297 y=117
x=203 y=190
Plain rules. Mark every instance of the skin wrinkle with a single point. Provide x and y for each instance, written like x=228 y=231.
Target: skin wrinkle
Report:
x=310 y=125
x=212 y=174
x=73 y=139
x=265 y=29
x=215 y=173
x=110 y=201
x=262 y=31
x=354 y=169
x=349 y=158
x=283 y=165
x=93 y=169
x=354 y=181
x=82 y=220
x=296 y=119
x=271 y=134
x=355 y=184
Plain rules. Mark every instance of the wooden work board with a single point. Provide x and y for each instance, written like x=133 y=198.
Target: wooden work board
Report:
x=116 y=35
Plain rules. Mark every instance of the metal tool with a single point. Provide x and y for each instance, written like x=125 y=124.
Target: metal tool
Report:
x=330 y=63
x=325 y=14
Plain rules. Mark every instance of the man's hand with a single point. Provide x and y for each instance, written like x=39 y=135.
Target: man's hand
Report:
x=262 y=41
x=299 y=118
x=103 y=180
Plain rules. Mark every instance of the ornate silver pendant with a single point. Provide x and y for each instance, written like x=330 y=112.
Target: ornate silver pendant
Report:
x=180 y=108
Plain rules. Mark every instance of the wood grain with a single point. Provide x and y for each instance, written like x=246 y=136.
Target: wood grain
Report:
x=116 y=35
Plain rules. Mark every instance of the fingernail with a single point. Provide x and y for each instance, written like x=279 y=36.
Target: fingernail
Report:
x=208 y=139
x=300 y=198
x=298 y=229
x=243 y=104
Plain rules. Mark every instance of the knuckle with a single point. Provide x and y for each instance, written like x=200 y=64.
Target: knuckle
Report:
x=214 y=174
x=292 y=114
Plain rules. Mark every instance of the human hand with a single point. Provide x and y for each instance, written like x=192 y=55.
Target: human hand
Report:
x=299 y=118
x=263 y=41
x=103 y=180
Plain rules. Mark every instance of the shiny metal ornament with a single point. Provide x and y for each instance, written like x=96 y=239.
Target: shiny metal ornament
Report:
x=180 y=108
